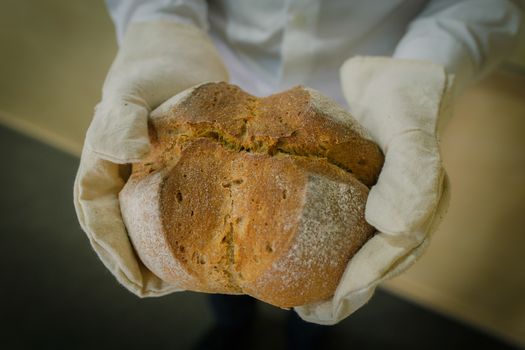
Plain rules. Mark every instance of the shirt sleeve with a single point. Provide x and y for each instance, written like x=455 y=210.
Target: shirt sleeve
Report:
x=123 y=12
x=468 y=38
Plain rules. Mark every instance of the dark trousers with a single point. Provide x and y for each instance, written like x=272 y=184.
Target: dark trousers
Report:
x=238 y=312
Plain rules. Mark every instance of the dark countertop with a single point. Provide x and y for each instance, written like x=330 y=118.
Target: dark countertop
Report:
x=55 y=293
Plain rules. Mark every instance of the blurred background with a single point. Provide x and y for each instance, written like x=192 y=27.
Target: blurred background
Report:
x=468 y=289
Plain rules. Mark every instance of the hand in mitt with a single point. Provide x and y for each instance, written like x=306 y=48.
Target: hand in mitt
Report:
x=156 y=61
x=402 y=103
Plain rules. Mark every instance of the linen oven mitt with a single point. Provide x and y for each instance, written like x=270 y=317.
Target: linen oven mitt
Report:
x=403 y=104
x=156 y=60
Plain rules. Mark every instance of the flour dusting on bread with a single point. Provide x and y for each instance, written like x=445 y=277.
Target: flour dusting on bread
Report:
x=141 y=212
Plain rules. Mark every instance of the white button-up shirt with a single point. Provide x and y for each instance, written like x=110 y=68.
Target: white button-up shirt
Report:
x=272 y=45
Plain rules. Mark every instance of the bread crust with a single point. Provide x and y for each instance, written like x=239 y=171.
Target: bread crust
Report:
x=246 y=195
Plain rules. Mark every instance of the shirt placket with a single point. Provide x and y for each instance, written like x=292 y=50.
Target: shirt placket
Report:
x=297 y=46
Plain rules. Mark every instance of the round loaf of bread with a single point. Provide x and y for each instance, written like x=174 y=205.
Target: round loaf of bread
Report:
x=247 y=195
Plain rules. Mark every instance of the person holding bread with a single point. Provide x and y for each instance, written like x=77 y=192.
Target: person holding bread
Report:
x=395 y=66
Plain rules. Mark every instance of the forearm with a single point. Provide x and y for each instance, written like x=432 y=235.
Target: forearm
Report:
x=123 y=12
x=469 y=38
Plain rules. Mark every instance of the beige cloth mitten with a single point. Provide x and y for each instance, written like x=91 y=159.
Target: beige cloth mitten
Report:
x=402 y=103
x=156 y=61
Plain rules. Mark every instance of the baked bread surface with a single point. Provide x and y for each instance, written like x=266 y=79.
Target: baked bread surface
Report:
x=246 y=195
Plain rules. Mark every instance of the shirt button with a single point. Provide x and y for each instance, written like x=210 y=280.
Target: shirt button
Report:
x=298 y=20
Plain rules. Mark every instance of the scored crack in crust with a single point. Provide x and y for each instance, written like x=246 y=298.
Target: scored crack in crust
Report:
x=246 y=195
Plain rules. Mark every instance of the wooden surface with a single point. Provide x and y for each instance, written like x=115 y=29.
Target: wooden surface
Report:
x=55 y=55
